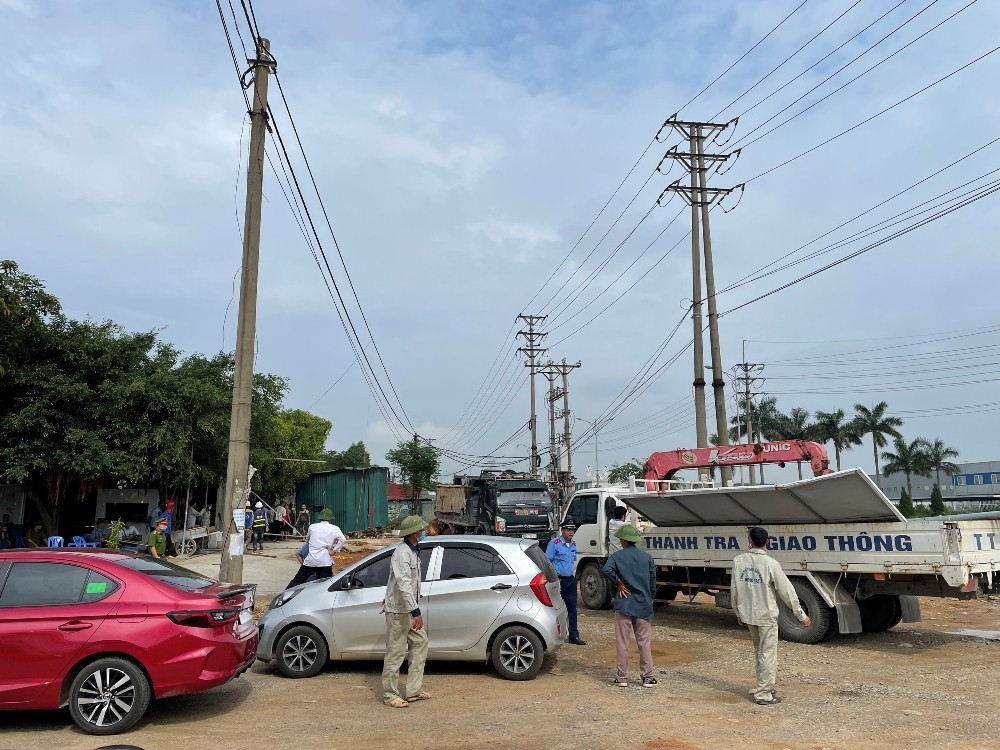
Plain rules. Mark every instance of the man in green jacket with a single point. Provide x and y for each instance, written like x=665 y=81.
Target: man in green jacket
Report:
x=633 y=574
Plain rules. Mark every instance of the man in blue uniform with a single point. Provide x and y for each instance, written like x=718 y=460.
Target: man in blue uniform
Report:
x=562 y=552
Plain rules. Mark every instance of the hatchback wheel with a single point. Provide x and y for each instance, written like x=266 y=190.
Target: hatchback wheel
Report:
x=301 y=652
x=517 y=653
x=108 y=696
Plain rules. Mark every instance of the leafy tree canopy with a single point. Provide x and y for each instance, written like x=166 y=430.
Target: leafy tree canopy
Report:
x=417 y=463
x=355 y=457
x=85 y=405
x=621 y=473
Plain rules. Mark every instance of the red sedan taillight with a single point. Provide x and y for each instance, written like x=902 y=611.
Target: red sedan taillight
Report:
x=208 y=618
x=538 y=589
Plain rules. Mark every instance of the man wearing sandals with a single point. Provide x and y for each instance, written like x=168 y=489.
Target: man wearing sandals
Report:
x=405 y=634
x=758 y=581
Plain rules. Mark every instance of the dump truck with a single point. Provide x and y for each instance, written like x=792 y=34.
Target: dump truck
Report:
x=500 y=504
x=857 y=564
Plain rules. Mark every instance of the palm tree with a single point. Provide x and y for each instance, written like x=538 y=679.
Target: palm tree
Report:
x=937 y=458
x=909 y=459
x=874 y=422
x=765 y=422
x=795 y=426
x=831 y=428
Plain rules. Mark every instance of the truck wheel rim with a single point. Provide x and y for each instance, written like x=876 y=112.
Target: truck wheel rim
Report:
x=106 y=697
x=517 y=654
x=299 y=653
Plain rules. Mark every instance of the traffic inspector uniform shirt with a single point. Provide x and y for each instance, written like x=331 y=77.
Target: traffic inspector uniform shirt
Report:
x=562 y=554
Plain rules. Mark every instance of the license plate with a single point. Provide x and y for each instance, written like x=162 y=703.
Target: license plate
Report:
x=529 y=536
x=246 y=615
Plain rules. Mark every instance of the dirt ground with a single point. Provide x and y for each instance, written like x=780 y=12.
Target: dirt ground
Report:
x=919 y=685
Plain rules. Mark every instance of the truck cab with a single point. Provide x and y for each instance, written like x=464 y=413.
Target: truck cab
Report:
x=591 y=509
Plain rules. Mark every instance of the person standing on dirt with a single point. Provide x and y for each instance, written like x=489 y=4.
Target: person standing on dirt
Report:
x=562 y=552
x=258 y=527
x=405 y=636
x=758 y=581
x=633 y=573
x=323 y=539
x=302 y=520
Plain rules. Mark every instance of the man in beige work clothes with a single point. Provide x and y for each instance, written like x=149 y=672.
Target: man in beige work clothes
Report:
x=405 y=634
x=757 y=582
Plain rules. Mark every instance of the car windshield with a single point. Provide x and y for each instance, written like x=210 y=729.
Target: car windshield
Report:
x=525 y=497
x=167 y=572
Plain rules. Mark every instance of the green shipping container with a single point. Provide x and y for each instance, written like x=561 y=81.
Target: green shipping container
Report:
x=359 y=498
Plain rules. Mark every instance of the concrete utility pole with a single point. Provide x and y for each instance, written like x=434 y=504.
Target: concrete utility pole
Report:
x=567 y=478
x=700 y=196
x=531 y=338
x=238 y=469
x=745 y=373
x=552 y=371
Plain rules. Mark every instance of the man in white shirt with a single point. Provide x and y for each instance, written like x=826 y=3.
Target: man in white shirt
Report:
x=614 y=543
x=323 y=539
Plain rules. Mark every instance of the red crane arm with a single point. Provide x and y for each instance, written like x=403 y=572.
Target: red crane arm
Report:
x=665 y=464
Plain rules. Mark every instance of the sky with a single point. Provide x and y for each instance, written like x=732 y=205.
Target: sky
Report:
x=464 y=152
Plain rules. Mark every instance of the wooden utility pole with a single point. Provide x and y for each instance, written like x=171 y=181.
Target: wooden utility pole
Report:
x=238 y=469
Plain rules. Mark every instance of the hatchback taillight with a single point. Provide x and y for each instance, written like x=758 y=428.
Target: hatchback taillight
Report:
x=206 y=618
x=538 y=589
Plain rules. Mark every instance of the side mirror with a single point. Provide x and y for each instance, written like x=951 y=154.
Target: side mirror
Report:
x=347 y=584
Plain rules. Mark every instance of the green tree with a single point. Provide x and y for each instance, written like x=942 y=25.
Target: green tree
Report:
x=909 y=459
x=876 y=423
x=938 y=508
x=794 y=426
x=621 y=473
x=905 y=504
x=355 y=457
x=25 y=307
x=298 y=437
x=937 y=458
x=831 y=427
x=417 y=464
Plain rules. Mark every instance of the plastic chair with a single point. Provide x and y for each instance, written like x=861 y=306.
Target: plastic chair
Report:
x=56 y=541
x=79 y=541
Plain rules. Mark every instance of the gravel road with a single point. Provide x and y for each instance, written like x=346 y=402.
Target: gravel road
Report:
x=919 y=685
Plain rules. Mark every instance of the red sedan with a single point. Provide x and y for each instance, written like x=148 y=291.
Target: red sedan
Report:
x=103 y=632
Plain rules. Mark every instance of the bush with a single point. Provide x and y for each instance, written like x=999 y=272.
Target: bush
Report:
x=905 y=504
x=938 y=507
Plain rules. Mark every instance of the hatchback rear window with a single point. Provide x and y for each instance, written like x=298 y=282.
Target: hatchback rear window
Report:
x=167 y=572
x=538 y=557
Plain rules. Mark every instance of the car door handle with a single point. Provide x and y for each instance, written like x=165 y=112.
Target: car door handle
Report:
x=74 y=625
x=500 y=587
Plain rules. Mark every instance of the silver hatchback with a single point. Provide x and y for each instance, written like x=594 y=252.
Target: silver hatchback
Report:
x=483 y=599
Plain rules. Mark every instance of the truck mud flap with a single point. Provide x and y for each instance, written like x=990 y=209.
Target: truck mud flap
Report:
x=911 y=608
x=828 y=586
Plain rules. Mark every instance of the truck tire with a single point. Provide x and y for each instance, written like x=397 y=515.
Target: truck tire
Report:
x=595 y=588
x=880 y=613
x=818 y=610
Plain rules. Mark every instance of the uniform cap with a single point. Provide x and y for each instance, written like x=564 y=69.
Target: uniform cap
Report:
x=411 y=525
x=568 y=523
x=629 y=533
